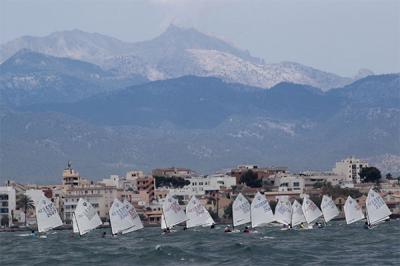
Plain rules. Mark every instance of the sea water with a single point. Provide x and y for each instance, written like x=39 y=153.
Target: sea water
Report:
x=336 y=244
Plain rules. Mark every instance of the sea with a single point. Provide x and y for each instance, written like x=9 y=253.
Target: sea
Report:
x=335 y=244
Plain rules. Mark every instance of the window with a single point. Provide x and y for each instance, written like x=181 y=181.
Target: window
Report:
x=296 y=184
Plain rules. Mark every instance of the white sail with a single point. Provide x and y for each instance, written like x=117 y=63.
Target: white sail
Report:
x=173 y=212
x=297 y=214
x=46 y=214
x=241 y=210
x=283 y=211
x=74 y=225
x=310 y=210
x=137 y=223
x=328 y=208
x=261 y=212
x=163 y=225
x=377 y=210
x=120 y=218
x=352 y=211
x=86 y=217
x=197 y=214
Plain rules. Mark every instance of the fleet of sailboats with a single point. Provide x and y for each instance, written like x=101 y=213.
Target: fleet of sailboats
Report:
x=124 y=218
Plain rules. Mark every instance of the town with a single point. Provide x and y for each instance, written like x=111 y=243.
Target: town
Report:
x=146 y=192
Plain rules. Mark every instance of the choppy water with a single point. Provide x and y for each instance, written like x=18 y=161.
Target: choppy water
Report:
x=333 y=245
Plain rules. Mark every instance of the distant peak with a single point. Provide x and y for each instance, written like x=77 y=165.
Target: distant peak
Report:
x=362 y=73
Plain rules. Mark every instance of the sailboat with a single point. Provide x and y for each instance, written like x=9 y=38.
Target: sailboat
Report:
x=47 y=216
x=240 y=211
x=173 y=213
x=120 y=218
x=86 y=217
x=197 y=214
x=328 y=208
x=283 y=211
x=137 y=223
x=377 y=210
x=352 y=211
x=261 y=212
x=297 y=214
x=310 y=210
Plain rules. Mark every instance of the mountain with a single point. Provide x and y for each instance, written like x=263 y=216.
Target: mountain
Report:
x=205 y=124
x=174 y=53
x=75 y=44
x=29 y=77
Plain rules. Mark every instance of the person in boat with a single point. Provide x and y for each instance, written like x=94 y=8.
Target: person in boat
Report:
x=318 y=224
x=166 y=230
x=212 y=226
x=366 y=225
x=184 y=228
x=227 y=230
x=33 y=233
x=289 y=226
x=246 y=230
x=302 y=226
x=104 y=234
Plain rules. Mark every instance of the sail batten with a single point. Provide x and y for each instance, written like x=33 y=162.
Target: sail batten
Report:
x=261 y=212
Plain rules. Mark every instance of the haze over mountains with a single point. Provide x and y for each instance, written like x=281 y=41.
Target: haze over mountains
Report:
x=183 y=99
x=176 y=52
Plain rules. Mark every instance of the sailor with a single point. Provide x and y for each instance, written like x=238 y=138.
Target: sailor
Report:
x=166 y=230
x=184 y=228
x=104 y=234
x=227 y=230
x=302 y=225
x=246 y=230
x=33 y=233
x=212 y=226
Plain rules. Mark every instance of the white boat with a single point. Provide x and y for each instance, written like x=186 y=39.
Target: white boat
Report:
x=352 y=211
x=173 y=212
x=283 y=211
x=328 y=208
x=120 y=218
x=261 y=212
x=86 y=217
x=297 y=214
x=197 y=214
x=47 y=216
x=137 y=223
x=310 y=210
x=377 y=210
x=241 y=211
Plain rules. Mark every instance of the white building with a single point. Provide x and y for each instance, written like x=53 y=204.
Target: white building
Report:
x=286 y=183
x=7 y=203
x=350 y=168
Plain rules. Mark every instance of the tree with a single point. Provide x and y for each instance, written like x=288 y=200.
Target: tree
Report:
x=370 y=174
x=250 y=179
x=25 y=203
x=389 y=176
x=174 y=182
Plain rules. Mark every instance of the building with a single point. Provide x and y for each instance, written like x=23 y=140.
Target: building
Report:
x=312 y=177
x=173 y=172
x=261 y=172
x=350 y=168
x=8 y=204
x=288 y=183
x=71 y=177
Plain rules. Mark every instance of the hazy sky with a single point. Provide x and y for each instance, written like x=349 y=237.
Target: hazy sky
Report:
x=340 y=36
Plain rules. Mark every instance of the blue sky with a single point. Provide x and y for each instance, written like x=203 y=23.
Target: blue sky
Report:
x=339 y=36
